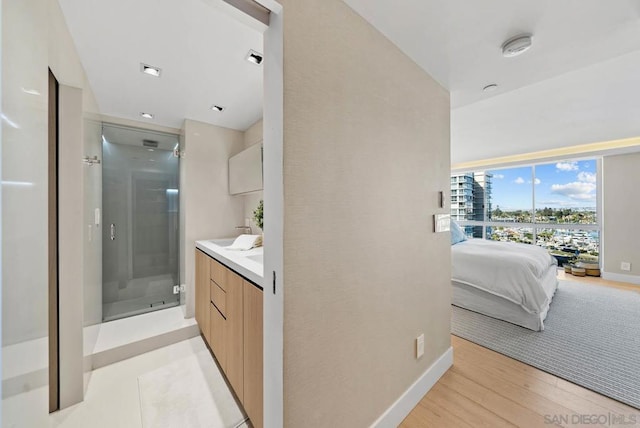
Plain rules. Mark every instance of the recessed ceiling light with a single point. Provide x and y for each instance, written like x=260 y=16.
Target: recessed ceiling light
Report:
x=254 y=57
x=146 y=115
x=150 y=70
x=490 y=88
x=516 y=45
x=217 y=108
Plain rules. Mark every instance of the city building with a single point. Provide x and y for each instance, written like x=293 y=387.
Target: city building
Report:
x=462 y=197
x=470 y=192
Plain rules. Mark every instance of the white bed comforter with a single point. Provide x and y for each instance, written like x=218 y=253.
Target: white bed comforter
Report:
x=506 y=269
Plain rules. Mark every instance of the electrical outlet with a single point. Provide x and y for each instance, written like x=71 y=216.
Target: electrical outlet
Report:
x=176 y=289
x=420 y=346
x=625 y=266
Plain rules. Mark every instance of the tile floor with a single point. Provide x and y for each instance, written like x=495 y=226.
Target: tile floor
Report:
x=112 y=398
x=24 y=365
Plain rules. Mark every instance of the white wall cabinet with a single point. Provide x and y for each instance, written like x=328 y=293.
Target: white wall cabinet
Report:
x=245 y=170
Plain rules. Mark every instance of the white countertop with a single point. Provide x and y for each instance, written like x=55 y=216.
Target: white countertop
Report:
x=246 y=263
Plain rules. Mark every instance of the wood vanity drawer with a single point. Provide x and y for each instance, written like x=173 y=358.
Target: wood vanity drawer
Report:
x=218 y=333
x=218 y=273
x=218 y=298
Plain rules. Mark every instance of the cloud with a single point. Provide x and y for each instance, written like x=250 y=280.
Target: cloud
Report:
x=519 y=180
x=498 y=176
x=537 y=180
x=567 y=166
x=577 y=191
x=587 y=177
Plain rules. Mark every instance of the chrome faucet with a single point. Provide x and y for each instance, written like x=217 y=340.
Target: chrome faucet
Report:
x=244 y=229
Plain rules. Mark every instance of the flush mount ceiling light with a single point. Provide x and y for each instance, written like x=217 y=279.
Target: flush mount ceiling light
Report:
x=254 y=57
x=490 y=88
x=516 y=45
x=146 y=115
x=217 y=108
x=150 y=70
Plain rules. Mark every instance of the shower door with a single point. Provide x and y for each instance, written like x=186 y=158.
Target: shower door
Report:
x=141 y=222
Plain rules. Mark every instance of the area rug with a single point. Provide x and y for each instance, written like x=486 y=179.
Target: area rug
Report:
x=189 y=393
x=591 y=338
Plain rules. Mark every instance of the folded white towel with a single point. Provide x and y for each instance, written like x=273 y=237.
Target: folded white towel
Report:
x=245 y=242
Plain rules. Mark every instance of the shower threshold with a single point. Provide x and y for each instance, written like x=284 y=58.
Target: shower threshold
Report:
x=132 y=307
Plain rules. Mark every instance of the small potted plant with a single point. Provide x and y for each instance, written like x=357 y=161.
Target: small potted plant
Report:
x=258 y=214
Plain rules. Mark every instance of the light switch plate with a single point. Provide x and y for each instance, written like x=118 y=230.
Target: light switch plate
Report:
x=441 y=223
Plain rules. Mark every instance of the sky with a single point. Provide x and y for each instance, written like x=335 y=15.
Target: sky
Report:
x=567 y=184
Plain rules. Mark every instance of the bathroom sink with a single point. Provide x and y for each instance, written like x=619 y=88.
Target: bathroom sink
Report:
x=257 y=258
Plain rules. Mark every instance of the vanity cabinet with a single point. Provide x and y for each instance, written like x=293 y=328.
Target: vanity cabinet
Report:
x=234 y=338
x=202 y=293
x=217 y=336
x=232 y=326
x=253 y=344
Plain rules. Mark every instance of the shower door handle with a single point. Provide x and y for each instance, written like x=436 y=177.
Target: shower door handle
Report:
x=113 y=232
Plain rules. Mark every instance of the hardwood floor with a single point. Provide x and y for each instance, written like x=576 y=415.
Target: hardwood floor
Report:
x=598 y=281
x=487 y=389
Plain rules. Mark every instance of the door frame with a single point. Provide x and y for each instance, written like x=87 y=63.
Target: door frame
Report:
x=54 y=350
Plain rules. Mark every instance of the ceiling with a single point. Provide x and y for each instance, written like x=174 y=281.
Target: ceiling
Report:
x=459 y=41
x=551 y=96
x=577 y=84
x=200 y=49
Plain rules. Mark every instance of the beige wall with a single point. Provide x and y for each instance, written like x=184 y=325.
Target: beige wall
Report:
x=24 y=160
x=92 y=261
x=34 y=37
x=621 y=195
x=366 y=149
x=65 y=63
x=70 y=245
x=208 y=211
x=252 y=136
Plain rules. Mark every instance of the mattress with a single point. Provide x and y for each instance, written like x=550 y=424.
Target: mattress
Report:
x=504 y=280
x=476 y=300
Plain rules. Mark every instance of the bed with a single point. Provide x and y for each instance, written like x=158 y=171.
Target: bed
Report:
x=505 y=280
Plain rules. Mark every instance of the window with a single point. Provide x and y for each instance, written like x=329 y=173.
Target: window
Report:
x=566 y=192
x=553 y=205
x=512 y=195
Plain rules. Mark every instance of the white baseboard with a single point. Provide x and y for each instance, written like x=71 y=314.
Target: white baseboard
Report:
x=621 y=277
x=399 y=410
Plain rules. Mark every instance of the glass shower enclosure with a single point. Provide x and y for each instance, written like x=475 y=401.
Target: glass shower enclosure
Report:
x=140 y=203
